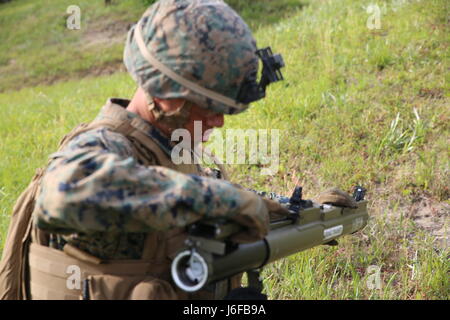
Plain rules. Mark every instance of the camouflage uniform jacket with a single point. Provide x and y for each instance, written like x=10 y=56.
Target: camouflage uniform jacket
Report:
x=96 y=196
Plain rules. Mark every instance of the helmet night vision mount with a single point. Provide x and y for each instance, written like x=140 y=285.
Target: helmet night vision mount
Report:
x=251 y=90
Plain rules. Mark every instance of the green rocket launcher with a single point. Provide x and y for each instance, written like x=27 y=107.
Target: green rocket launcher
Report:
x=210 y=256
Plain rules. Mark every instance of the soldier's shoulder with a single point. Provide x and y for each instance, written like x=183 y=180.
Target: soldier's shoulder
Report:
x=102 y=139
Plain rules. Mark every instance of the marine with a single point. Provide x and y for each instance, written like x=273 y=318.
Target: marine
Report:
x=111 y=200
x=107 y=215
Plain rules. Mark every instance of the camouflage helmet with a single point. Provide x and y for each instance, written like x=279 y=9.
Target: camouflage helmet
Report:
x=199 y=50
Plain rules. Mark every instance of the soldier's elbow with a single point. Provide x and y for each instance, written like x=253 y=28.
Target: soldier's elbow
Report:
x=53 y=209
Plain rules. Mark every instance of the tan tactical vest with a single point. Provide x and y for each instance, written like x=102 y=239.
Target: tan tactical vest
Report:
x=31 y=270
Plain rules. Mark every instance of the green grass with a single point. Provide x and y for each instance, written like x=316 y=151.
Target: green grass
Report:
x=37 y=47
x=357 y=107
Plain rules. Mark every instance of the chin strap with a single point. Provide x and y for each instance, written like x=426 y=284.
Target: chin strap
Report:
x=174 y=119
x=178 y=119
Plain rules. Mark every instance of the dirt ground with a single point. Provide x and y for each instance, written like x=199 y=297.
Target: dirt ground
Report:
x=433 y=217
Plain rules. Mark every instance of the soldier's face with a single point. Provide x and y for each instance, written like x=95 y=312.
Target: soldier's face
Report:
x=209 y=120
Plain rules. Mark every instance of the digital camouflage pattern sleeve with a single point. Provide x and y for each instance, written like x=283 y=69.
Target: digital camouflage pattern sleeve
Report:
x=95 y=185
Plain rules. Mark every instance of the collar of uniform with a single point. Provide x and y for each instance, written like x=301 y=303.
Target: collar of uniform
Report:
x=116 y=108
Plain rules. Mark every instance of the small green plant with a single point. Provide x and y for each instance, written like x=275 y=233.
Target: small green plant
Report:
x=402 y=137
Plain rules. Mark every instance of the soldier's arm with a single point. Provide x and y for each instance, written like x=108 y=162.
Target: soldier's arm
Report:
x=95 y=184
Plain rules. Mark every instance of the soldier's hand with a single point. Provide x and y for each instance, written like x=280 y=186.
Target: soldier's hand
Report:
x=254 y=215
x=336 y=197
x=276 y=210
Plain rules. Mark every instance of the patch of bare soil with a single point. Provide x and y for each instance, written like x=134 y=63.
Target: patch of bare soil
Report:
x=432 y=216
x=426 y=213
x=99 y=70
x=99 y=33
